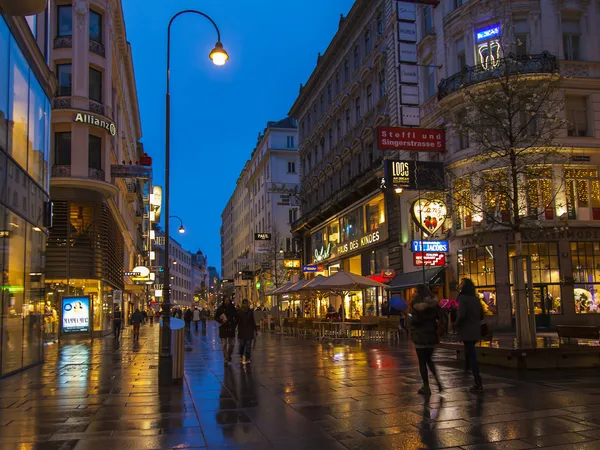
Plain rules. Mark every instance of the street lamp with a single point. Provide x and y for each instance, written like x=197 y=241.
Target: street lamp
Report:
x=181 y=228
x=219 y=56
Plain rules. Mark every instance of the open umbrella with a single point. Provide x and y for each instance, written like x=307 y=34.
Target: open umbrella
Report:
x=348 y=281
x=398 y=303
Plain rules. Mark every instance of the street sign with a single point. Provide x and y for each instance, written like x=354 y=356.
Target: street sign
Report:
x=429 y=259
x=430 y=246
x=414 y=175
x=262 y=236
x=413 y=139
x=247 y=275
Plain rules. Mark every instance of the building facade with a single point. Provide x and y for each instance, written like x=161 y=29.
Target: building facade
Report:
x=26 y=87
x=99 y=189
x=182 y=289
x=200 y=278
x=346 y=222
x=463 y=45
x=264 y=202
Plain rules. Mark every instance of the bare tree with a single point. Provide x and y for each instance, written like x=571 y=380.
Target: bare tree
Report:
x=277 y=273
x=508 y=123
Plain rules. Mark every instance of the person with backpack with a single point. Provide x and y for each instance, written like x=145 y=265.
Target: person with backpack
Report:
x=226 y=316
x=468 y=325
x=424 y=320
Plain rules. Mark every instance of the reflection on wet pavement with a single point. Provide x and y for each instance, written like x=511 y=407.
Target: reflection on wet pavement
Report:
x=297 y=394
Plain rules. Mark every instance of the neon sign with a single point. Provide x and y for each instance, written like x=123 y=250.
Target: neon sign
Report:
x=487 y=33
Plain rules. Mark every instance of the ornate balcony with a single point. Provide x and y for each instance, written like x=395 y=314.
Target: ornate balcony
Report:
x=96 y=47
x=63 y=42
x=512 y=64
x=96 y=107
x=96 y=174
x=61 y=103
x=61 y=171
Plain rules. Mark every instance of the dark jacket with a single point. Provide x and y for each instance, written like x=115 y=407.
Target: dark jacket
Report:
x=423 y=323
x=246 y=323
x=227 y=328
x=137 y=317
x=469 y=318
x=188 y=315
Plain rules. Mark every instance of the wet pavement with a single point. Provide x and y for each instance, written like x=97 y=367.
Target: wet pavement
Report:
x=297 y=394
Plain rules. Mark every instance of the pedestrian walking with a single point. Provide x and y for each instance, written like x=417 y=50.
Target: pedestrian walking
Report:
x=151 y=316
x=188 y=316
x=468 y=325
x=117 y=315
x=204 y=315
x=157 y=316
x=144 y=316
x=136 y=319
x=196 y=317
x=226 y=316
x=246 y=331
x=425 y=312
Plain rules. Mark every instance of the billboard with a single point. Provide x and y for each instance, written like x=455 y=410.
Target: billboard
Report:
x=75 y=315
x=413 y=139
x=415 y=175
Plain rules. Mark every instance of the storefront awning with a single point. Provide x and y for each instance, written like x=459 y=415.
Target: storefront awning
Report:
x=434 y=276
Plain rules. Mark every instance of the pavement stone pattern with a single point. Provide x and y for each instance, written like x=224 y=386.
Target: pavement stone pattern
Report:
x=297 y=394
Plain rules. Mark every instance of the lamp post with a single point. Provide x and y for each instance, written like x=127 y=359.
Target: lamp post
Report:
x=181 y=228
x=219 y=56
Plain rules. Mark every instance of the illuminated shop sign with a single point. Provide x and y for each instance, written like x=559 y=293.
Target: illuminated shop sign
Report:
x=429 y=214
x=371 y=238
x=262 y=236
x=487 y=33
x=291 y=263
x=99 y=122
x=312 y=268
x=414 y=175
x=75 y=315
x=323 y=253
x=430 y=246
x=429 y=259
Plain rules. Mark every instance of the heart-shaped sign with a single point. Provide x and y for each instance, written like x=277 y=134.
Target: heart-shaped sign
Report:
x=429 y=214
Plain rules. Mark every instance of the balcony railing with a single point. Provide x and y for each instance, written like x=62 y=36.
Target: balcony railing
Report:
x=96 y=107
x=96 y=47
x=61 y=171
x=63 y=42
x=510 y=65
x=61 y=103
x=96 y=174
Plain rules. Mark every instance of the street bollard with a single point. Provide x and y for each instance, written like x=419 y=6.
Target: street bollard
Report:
x=177 y=348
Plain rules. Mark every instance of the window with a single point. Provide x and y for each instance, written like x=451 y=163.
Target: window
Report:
x=576 y=107
x=585 y=258
x=95 y=152
x=357 y=108
x=462 y=192
x=380 y=24
x=430 y=77
x=293 y=215
x=64 y=21
x=461 y=59
x=582 y=189
x=477 y=263
x=291 y=167
x=496 y=203
x=330 y=138
x=290 y=142
x=382 y=87
x=329 y=94
x=95 y=26
x=63 y=73
x=348 y=124
x=369 y=97
x=367 y=42
x=428 y=19
x=338 y=129
x=571 y=39
x=521 y=30
x=459 y=3
x=540 y=199
x=356 y=57
x=62 y=149
x=346 y=71
x=337 y=83
x=375 y=213
x=95 y=88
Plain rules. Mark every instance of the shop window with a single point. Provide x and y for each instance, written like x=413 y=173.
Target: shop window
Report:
x=95 y=26
x=577 y=119
x=63 y=73
x=582 y=189
x=64 y=20
x=352 y=225
x=585 y=258
x=375 y=213
x=545 y=273
x=540 y=196
x=95 y=152
x=496 y=201
x=356 y=57
x=95 y=87
x=477 y=264
x=18 y=104
x=462 y=194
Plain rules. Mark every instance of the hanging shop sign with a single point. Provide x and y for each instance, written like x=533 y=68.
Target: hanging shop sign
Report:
x=407 y=11
x=411 y=116
x=99 y=122
x=408 y=52
x=323 y=253
x=75 y=315
x=247 y=275
x=409 y=94
x=407 y=31
x=430 y=246
x=409 y=74
x=490 y=32
x=156 y=202
x=262 y=236
x=312 y=268
x=429 y=214
x=117 y=297
x=429 y=259
x=414 y=175
x=292 y=263
x=262 y=250
x=413 y=139
x=130 y=171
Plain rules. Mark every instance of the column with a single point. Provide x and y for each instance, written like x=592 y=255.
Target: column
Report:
x=81 y=55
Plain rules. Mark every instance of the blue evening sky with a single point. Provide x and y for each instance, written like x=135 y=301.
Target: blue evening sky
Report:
x=217 y=112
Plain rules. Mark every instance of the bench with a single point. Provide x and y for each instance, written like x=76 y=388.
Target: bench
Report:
x=577 y=331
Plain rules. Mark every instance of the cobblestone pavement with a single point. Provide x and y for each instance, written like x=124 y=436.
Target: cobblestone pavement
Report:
x=297 y=394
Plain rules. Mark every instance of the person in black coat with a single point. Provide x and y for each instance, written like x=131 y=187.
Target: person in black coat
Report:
x=246 y=330
x=226 y=317
x=188 y=316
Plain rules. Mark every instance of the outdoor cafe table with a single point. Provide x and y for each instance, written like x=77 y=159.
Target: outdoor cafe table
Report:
x=338 y=327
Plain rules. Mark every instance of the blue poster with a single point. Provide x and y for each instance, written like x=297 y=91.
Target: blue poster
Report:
x=75 y=315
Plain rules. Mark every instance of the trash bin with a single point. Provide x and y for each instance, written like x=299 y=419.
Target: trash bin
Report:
x=177 y=347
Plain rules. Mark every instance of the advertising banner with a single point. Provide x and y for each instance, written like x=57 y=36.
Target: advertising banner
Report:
x=429 y=259
x=415 y=175
x=75 y=315
x=413 y=139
